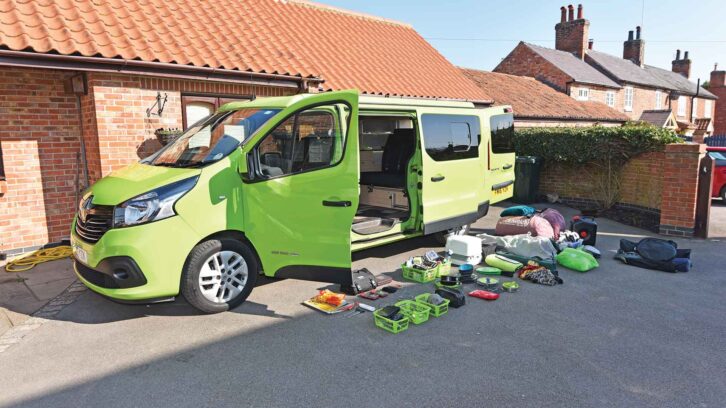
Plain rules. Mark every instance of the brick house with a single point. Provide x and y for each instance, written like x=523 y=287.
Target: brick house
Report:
x=537 y=105
x=626 y=84
x=717 y=86
x=84 y=86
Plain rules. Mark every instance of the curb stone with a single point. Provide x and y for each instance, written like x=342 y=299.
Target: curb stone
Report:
x=45 y=313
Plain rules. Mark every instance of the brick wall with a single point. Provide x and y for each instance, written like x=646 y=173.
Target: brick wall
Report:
x=680 y=174
x=524 y=62
x=662 y=184
x=718 y=88
x=124 y=132
x=40 y=140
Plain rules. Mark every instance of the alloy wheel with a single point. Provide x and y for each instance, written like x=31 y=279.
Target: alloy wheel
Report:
x=223 y=276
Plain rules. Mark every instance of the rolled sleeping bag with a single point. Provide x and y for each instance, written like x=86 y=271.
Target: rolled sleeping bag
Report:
x=503 y=263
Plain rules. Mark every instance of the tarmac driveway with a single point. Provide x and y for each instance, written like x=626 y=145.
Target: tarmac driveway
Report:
x=615 y=336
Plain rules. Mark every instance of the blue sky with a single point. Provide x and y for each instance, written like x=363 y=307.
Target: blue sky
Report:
x=463 y=30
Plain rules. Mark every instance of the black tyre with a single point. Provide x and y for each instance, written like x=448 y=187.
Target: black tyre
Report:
x=723 y=195
x=219 y=275
x=442 y=236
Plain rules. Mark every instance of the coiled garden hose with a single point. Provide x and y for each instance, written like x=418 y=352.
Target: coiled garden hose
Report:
x=27 y=262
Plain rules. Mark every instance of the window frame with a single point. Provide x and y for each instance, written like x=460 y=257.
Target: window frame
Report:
x=628 y=98
x=681 y=112
x=658 y=99
x=216 y=100
x=583 y=94
x=465 y=119
x=254 y=151
x=610 y=98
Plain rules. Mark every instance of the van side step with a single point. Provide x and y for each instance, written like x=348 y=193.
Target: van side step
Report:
x=370 y=226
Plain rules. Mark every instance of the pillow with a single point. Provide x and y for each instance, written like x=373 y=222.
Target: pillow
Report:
x=555 y=219
x=518 y=210
x=540 y=227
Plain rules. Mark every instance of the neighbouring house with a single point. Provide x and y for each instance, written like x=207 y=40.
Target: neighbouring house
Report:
x=537 y=105
x=85 y=84
x=626 y=84
x=717 y=86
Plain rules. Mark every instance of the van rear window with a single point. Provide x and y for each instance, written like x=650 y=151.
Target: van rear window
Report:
x=502 y=133
x=451 y=137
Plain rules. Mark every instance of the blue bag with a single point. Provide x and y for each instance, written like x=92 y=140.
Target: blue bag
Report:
x=518 y=210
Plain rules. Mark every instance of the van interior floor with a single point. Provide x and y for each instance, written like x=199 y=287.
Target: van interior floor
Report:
x=372 y=220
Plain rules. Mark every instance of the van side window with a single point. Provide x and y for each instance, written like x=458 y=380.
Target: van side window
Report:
x=502 y=133
x=308 y=140
x=451 y=137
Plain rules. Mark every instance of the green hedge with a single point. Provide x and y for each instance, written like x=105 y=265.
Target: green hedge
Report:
x=598 y=144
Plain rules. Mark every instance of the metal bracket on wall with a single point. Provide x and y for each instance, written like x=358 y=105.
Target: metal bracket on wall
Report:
x=159 y=105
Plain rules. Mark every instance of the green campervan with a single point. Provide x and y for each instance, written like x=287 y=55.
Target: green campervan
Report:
x=288 y=187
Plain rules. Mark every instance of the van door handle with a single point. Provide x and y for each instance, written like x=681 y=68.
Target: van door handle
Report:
x=329 y=203
x=437 y=178
x=507 y=166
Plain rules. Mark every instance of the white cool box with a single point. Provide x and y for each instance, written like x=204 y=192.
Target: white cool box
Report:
x=464 y=249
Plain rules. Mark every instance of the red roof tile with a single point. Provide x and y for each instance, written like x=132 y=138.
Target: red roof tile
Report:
x=348 y=50
x=533 y=99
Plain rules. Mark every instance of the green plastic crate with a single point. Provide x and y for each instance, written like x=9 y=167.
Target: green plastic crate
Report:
x=436 y=310
x=444 y=268
x=418 y=275
x=416 y=312
x=393 y=326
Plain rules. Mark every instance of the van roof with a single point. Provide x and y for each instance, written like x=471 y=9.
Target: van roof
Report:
x=366 y=102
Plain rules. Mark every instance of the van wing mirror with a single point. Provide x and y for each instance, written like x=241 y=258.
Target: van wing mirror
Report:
x=244 y=167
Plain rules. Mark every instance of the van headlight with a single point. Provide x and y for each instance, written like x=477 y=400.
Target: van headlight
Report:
x=155 y=205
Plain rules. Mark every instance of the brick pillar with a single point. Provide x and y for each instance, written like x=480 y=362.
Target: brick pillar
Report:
x=680 y=189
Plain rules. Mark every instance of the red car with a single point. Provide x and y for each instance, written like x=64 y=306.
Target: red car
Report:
x=719 y=172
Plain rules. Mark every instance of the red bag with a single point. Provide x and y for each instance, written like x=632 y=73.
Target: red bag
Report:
x=484 y=294
x=515 y=225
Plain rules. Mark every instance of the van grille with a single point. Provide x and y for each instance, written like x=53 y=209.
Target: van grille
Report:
x=93 y=221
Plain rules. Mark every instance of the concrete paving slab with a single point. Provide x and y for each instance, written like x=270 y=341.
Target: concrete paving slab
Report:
x=617 y=336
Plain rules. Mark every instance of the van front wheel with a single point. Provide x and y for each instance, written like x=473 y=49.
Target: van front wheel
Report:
x=442 y=236
x=219 y=275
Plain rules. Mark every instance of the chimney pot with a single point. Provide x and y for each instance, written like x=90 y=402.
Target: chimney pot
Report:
x=630 y=35
x=685 y=55
x=579 y=11
x=637 y=33
x=590 y=43
x=563 y=12
x=570 y=12
x=678 y=55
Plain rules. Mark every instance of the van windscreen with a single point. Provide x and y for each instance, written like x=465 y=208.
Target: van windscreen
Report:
x=211 y=139
x=502 y=133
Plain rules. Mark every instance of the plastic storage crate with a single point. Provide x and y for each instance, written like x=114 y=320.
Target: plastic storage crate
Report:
x=419 y=275
x=436 y=310
x=444 y=267
x=416 y=312
x=393 y=326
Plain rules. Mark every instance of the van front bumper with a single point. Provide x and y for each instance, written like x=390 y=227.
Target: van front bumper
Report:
x=137 y=263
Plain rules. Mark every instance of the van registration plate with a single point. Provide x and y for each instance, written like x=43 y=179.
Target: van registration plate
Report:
x=503 y=190
x=80 y=254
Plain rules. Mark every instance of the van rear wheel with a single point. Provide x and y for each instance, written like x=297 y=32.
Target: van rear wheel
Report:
x=442 y=236
x=219 y=275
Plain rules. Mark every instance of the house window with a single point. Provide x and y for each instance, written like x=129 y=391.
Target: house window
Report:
x=706 y=110
x=628 y=98
x=658 y=99
x=681 y=105
x=198 y=107
x=610 y=98
x=694 y=109
x=583 y=94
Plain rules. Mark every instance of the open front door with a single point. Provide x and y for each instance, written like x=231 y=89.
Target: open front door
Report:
x=303 y=192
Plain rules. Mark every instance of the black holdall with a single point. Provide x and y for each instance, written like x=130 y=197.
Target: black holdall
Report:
x=363 y=280
x=456 y=297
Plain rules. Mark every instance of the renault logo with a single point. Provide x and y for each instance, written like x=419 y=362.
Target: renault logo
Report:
x=85 y=206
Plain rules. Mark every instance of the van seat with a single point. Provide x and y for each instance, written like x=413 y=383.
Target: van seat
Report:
x=397 y=152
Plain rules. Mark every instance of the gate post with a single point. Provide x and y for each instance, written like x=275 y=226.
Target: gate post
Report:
x=680 y=189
